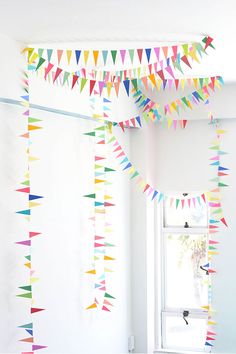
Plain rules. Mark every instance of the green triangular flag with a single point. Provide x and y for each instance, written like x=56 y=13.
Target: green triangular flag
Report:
x=212 y=248
x=134 y=175
x=26 y=183
x=109 y=296
x=113 y=54
x=90 y=195
x=111 y=140
x=33 y=120
x=28 y=257
x=27 y=287
x=40 y=62
x=28 y=325
x=217 y=211
x=215 y=147
x=100 y=128
x=90 y=134
x=135 y=84
x=65 y=78
x=177 y=203
x=28 y=295
x=82 y=83
x=220 y=184
x=40 y=52
x=108 y=183
x=131 y=54
x=108 y=244
x=107 y=169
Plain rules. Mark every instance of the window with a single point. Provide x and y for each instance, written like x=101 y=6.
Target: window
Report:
x=182 y=282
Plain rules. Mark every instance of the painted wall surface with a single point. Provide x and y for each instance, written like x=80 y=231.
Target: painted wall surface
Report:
x=179 y=161
x=64 y=252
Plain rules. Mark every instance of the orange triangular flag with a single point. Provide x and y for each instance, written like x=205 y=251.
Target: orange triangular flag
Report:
x=33 y=127
x=95 y=56
x=93 y=306
x=106 y=258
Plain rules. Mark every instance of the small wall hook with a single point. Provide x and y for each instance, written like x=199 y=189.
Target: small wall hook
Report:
x=185 y=314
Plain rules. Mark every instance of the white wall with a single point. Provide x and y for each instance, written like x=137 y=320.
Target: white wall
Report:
x=178 y=161
x=64 y=251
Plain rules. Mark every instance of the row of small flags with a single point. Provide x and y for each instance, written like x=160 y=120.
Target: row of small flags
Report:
x=95 y=58
x=153 y=111
x=109 y=80
x=216 y=218
x=156 y=78
x=102 y=203
x=32 y=201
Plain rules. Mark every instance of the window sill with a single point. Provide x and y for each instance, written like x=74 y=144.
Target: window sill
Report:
x=171 y=351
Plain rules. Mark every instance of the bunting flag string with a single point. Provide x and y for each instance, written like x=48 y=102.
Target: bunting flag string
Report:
x=151 y=192
x=216 y=219
x=156 y=76
x=158 y=59
x=102 y=205
x=33 y=200
x=152 y=111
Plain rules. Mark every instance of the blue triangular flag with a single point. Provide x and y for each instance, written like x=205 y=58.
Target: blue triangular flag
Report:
x=30 y=331
x=209 y=344
x=138 y=120
x=127 y=166
x=77 y=54
x=104 y=55
x=148 y=53
x=24 y=212
x=32 y=197
x=154 y=194
x=126 y=85
x=124 y=160
x=49 y=54
x=98 y=203
x=220 y=168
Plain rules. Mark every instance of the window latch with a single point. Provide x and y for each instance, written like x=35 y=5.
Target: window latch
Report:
x=185 y=314
x=205 y=270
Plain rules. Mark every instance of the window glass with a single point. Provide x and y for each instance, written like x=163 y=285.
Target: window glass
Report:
x=186 y=282
x=180 y=335
x=195 y=215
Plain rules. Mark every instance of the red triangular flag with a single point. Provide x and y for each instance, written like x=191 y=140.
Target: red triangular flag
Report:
x=34 y=310
x=91 y=87
x=104 y=308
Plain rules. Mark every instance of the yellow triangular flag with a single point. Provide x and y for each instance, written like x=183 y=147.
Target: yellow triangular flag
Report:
x=32 y=158
x=86 y=55
x=28 y=265
x=93 y=271
x=33 y=58
x=93 y=306
x=33 y=280
x=68 y=54
x=33 y=204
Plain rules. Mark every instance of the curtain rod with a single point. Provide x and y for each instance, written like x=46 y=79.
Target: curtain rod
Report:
x=47 y=109
x=66 y=113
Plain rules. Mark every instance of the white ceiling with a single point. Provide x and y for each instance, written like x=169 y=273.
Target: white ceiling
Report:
x=47 y=21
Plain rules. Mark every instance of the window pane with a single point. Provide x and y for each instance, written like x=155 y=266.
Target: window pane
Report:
x=179 y=335
x=195 y=216
x=186 y=283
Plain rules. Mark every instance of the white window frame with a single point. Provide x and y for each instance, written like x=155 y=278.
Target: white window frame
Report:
x=159 y=288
